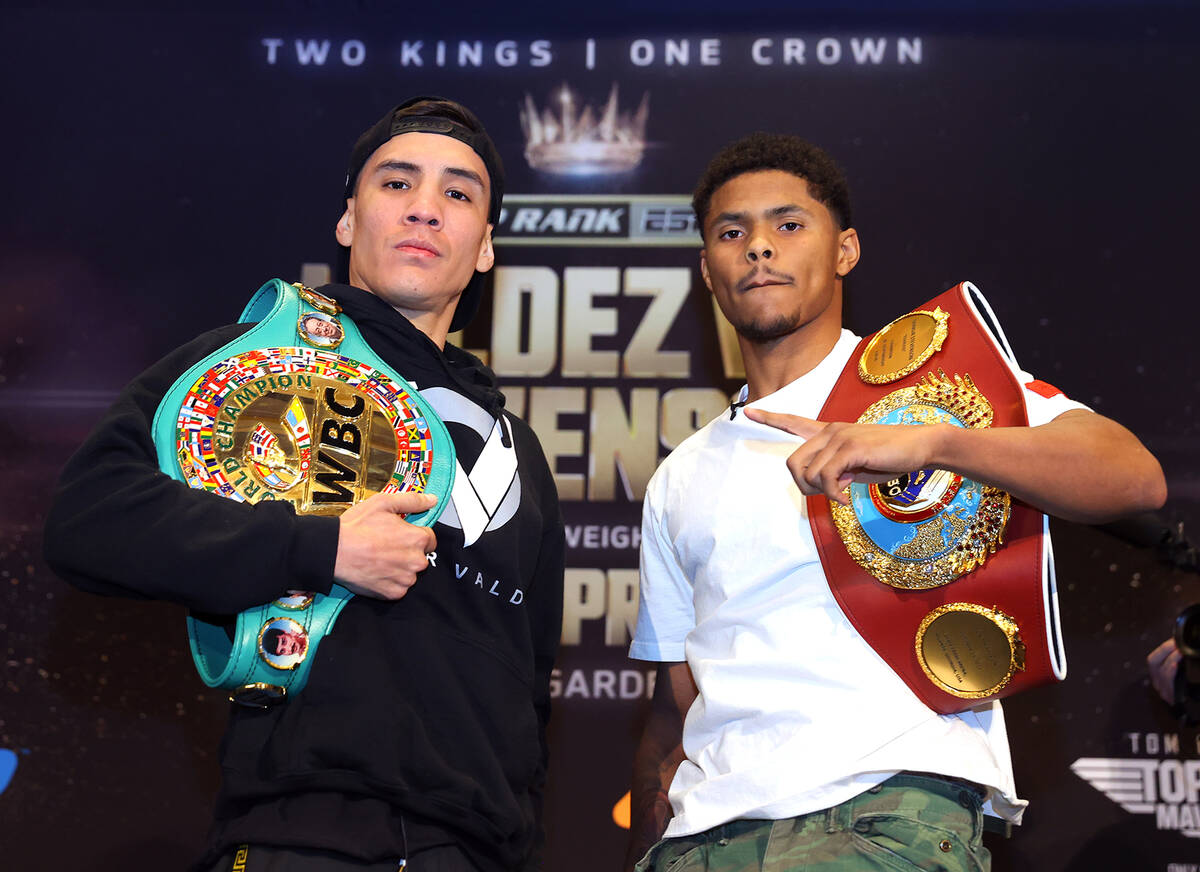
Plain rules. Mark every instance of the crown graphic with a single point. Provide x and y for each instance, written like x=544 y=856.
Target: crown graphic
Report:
x=568 y=140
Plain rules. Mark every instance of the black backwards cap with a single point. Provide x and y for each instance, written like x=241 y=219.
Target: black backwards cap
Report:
x=438 y=115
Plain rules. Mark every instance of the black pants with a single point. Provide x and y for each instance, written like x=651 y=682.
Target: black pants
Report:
x=261 y=858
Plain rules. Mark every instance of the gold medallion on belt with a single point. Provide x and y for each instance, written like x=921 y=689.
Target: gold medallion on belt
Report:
x=930 y=527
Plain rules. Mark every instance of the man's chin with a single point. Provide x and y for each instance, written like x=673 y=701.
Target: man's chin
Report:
x=763 y=332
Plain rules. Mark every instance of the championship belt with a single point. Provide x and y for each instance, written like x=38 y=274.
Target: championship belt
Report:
x=298 y=408
x=950 y=580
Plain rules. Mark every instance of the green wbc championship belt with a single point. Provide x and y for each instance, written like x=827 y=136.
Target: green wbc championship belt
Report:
x=300 y=409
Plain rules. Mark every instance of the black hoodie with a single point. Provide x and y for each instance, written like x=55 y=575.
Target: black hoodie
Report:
x=431 y=709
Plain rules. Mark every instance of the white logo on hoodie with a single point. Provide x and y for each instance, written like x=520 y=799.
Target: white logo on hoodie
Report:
x=488 y=496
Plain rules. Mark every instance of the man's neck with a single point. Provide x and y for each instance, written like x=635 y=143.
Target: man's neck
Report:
x=435 y=325
x=773 y=365
x=433 y=322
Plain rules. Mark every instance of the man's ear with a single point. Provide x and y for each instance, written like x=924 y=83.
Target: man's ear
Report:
x=344 y=231
x=487 y=254
x=704 y=270
x=848 y=251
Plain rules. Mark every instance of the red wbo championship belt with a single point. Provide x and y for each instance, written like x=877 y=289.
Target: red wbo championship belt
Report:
x=950 y=580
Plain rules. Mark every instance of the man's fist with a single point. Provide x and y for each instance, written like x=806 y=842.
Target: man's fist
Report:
x=379 y=553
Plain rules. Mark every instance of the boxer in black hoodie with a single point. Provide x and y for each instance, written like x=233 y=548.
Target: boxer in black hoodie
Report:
x=419 y=740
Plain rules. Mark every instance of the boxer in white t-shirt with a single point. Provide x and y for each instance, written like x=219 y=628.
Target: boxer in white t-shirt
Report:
x=778 y=739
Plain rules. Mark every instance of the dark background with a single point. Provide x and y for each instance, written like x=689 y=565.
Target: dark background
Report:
x=158 y=169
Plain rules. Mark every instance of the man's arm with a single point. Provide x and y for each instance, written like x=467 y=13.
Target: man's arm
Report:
x=119 y=526
x=1080 y=466
x=658 y=755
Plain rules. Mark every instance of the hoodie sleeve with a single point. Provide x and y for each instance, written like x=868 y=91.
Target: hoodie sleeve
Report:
x=118 y=526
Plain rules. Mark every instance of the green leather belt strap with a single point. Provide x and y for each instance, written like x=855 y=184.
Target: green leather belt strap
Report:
x=298 y=408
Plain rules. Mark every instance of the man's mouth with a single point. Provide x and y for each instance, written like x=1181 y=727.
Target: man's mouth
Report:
x=417 y=247
x=757 y=280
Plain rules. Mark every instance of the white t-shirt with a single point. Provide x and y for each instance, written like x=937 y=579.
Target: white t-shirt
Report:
x=796 y=712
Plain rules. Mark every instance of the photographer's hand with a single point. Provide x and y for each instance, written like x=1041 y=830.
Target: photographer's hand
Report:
x=1163 y=664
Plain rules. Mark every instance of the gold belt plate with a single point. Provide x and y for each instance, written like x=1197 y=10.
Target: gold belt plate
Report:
x=928 y=527
x=903 y=346
x=969 y=650
x=304 y=425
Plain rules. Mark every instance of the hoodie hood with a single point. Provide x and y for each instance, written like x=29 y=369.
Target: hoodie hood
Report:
x=394 y=336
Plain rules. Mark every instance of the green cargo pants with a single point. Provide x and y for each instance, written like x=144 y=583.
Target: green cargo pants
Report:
x=908 y=822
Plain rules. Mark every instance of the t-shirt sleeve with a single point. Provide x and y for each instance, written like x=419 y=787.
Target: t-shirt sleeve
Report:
x=1043 y=401
x=666 y=613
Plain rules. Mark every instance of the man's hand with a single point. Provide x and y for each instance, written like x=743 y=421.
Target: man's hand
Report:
x=1079 y=467
x=658 y=755
x=379 y=553
x=835 y=455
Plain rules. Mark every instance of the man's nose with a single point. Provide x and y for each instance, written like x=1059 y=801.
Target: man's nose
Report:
x=424 y=208
x=758 y=248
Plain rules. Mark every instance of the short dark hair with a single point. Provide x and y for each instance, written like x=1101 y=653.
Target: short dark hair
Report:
x=776 y=151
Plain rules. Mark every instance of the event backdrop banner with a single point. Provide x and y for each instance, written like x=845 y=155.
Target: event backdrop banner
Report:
x=159 y=166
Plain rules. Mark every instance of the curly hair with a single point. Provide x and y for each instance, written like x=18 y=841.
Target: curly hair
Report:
x=776 y=151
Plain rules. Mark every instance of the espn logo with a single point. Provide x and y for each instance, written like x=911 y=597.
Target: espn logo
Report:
x=568 y=219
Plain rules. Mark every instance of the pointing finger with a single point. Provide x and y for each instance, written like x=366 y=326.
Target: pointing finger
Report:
x=797 y=425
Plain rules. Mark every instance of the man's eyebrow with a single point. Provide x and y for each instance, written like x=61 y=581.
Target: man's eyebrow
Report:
x=790 y=208
x=730 y=218
x=409 y=167
x=772 y=212
x=469 y=175
x=396 y=165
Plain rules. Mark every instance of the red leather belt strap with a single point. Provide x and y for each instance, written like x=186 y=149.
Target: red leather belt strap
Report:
x=1010 y=581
